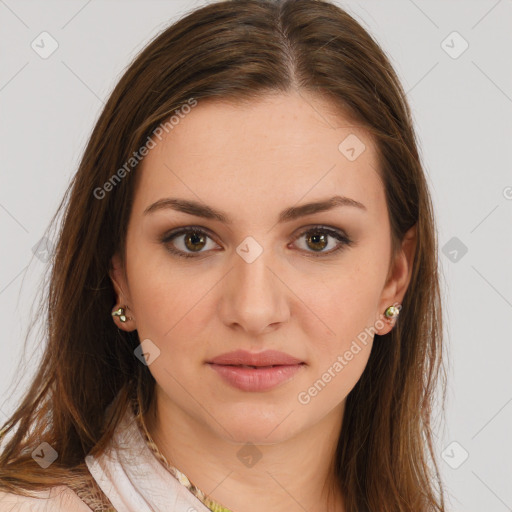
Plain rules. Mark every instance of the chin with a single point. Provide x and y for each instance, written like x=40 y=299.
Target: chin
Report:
x=256 y=425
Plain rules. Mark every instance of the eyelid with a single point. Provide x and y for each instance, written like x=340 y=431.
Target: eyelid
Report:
x=320 y=227
x=186 y=229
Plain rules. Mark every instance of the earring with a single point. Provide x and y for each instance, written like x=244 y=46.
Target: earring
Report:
x=393 y=311
x=120 y=312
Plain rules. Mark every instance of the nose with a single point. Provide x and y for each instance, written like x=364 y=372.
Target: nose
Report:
x=254 y=298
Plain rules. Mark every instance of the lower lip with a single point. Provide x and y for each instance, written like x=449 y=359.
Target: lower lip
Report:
x=256 y=379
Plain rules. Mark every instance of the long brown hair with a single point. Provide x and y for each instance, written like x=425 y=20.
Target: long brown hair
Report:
x=238 y=50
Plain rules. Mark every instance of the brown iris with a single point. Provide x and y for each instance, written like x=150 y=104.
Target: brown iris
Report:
x=193 y=239
x=318 y=238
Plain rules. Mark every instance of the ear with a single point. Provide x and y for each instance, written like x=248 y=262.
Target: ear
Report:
x=120 y=283
x=399 y=277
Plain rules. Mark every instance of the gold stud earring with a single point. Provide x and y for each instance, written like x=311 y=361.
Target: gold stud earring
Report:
x=121 y=313
x=392 y=312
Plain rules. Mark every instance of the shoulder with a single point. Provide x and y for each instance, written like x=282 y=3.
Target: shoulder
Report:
x=56 y=499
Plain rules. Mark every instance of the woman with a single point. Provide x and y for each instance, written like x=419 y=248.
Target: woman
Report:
x=244 y=295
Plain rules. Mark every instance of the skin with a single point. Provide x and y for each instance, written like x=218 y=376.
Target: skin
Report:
x=252 y=161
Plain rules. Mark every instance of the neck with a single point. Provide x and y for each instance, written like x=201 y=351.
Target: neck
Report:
x=295 y=475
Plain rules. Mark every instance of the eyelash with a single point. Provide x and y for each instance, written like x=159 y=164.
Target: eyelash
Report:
x=344 y=240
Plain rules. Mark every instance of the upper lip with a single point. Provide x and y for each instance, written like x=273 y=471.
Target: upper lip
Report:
x=266 y=358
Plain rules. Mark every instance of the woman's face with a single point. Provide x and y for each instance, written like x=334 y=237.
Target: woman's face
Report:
x=260 y=276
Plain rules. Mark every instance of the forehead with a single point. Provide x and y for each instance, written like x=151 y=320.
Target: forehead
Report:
x=279 y=148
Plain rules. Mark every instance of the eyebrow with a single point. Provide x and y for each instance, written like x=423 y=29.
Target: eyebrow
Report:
x=287 y=215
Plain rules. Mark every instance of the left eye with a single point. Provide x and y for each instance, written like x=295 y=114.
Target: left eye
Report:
x=318 y=238
x=195 y=239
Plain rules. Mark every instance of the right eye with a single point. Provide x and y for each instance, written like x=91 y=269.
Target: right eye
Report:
x=190 y=238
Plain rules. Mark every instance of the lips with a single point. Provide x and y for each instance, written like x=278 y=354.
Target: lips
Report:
x=243 y=358
x=256 y=379
x=256 y=372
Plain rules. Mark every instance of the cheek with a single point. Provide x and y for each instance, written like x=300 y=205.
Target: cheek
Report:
x=336 y=380
x=342 y=305
x=338 y=358
x=341 y=330
x=171 y=303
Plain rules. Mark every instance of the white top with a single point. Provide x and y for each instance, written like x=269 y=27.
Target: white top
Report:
x=129 y=474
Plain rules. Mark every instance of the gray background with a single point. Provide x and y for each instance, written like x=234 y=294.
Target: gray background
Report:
x=462 y=109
